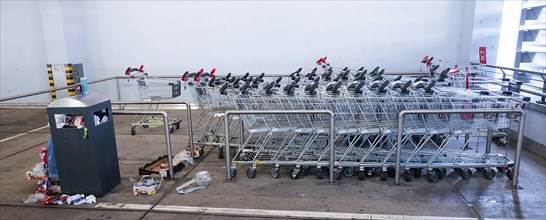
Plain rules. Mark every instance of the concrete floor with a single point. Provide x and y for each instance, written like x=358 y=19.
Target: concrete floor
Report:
x=451 y=197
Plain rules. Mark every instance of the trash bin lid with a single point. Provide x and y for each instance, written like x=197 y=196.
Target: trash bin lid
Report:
x=78 y=101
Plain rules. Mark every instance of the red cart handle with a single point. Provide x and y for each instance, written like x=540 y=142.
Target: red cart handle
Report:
x=141 y=69
x=128 y=71
x=212 y=72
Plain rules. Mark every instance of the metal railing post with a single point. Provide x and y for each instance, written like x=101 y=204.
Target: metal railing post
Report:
x=188 y=112
x=167 y=133
x=488 y=141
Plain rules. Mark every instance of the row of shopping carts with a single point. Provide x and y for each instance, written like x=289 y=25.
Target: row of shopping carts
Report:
x=365 y=106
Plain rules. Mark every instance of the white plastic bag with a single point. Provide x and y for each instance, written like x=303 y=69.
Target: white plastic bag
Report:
x=202 y=179
x=184 y=158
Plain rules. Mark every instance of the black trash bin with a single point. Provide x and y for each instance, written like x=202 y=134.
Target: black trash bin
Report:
x=85 y=153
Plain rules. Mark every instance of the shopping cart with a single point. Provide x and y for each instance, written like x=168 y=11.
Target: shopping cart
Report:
x=153 y=89
x=365 y=106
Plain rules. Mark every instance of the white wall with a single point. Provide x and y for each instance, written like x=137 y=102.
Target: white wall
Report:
x=170 y=37
x=261 y=36
x=22 y=54
x=486 y=31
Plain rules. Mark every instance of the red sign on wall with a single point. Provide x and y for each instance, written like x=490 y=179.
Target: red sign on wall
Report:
x=483 y=59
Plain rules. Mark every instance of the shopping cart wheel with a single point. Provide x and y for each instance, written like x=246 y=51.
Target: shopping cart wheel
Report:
x=220 y=152
x=465 y=174
x=509 y=174
x=442 y=172
x=304 y=170
x=383 y=176
x=320 y=173
x=369 y=172
x=361 y=175
x=251 y=173
x=417 y=173
x=275 y=172
x=133 y=130
x=502 y=141
x=408 y=175
x=433 y=176
x=348 y=172
x=295 y=174
x=489 y=174
x=390 y=172
x=145 y=126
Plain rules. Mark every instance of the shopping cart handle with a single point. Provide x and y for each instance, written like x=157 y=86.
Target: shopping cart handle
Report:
x=227 y=76
x=200 y=71
x=352 y=85
x=375 y=70
x=363 y=75
x=383 y=86
x=245 y=76
x=425 y=59
x=330 y=86
x=211 y=82
x=289 y=89
x=319 y=61
x=381 y=72
x=444 y=73
x=141 y=68
x=185 y=76
x=419 y=78
x=261 y=77
x=223 y=89
x=212 y=72
x=404 y=89
x=268 y=88
x=298 y=71
x=336 y=87
x=245 y=87
x=358 y=88
x=360 y=69
x=236 y=82
x=428 y=89
x=278 y=80
x=128 y=71
x=398 y=78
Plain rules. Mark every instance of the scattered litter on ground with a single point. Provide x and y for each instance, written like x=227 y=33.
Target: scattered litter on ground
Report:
x=202 y=179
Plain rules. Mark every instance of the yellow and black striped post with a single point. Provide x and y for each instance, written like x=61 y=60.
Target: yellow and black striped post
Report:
x=70 y=79
x=51 y=84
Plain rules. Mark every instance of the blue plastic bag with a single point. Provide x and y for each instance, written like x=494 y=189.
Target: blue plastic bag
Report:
x=52 y=164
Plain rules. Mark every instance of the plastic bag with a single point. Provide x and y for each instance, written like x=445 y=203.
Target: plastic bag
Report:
x=202 y=179
x=184 y=158
x=30 y=199
x=52 y=164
